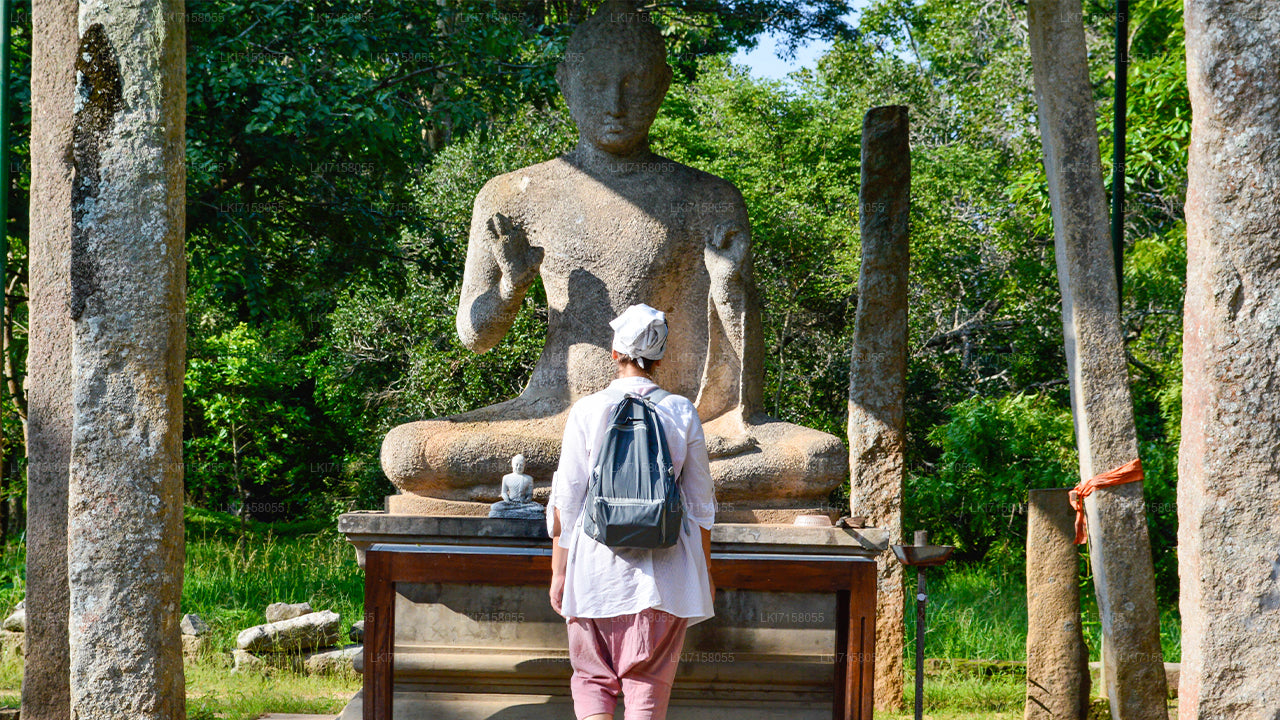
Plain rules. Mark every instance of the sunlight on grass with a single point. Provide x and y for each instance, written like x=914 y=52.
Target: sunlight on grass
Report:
x=973 y=612
x=231 y=579
x=213 y=692
x=956 y=697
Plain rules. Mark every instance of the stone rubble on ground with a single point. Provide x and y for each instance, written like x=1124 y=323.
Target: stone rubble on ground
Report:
x=193 y=625
x=305 y=641
x=12 y=643
x=277 y=612
x=17 y=621
x=332 y=661
x=306 y=632
x=245 y=661
x=194 y=646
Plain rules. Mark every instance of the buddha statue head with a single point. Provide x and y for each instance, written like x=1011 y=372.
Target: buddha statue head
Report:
x=614 y=77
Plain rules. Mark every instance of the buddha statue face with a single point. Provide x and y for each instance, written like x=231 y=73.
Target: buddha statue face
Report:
x=614 y=77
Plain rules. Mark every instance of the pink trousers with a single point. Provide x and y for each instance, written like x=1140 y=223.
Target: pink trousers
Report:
x=632 y=654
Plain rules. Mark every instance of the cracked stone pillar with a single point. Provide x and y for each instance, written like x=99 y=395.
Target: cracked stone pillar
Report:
x=45 y=693
x=878 y=372
x=1119 y=548
x=1057 y=659
x=1229 y=462
x=124 y=525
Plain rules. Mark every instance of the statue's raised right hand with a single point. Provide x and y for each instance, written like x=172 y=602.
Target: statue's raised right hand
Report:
x=516 y=258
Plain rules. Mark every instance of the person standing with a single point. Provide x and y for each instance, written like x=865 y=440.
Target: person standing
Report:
x=627 y=609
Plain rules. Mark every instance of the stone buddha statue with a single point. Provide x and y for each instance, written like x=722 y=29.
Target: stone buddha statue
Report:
x=608 y=225
x=517 y=495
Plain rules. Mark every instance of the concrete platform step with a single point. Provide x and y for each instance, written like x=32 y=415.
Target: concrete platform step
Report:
x=495 y=706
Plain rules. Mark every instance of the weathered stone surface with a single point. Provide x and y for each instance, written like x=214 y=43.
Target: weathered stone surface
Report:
x=17 y=620
x=245 y=661
x=12 y=643
x=276 y=612
x=124 y=521
x=608 y=225
x=195 y=646
x=357 y=632
x=332 y=660
x=45 y=691
x=1057 y=659
x=305 y=632
x=878 y=372
x=192 y=625
x=1229 y=462
x=1172 y=673
x=1119 y=547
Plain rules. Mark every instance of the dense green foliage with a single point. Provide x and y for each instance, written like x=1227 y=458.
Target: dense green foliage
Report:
x=334 y=151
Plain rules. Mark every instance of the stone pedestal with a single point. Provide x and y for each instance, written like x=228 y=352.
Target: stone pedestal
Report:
x=500 y=652
x=781 y=512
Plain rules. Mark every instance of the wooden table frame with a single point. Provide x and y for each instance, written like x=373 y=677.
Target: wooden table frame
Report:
x=851 y=577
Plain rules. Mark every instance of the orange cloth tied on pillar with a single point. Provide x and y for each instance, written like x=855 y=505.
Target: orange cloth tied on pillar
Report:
x=1127 y=473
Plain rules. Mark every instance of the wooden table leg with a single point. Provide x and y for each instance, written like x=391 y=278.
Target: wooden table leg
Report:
x=862 y=642
x=379 y=646
x=840 y=700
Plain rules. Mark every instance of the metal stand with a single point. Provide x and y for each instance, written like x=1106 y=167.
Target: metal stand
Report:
x=921 y=555
x=921 y=597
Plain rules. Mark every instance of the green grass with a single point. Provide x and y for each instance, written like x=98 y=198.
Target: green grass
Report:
x=230 y=578
x=979 y=613
x=972 y=612
x=213 y=693
x=12 y=571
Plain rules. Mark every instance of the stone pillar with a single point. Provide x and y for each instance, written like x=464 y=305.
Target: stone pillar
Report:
x=45 y=693
x=1057 y=659
x=1119 y=548
x=128 y=278
x=1229 y=462
x=878 y=371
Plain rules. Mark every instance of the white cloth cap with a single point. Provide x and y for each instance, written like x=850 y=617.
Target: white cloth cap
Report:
x=640 y=332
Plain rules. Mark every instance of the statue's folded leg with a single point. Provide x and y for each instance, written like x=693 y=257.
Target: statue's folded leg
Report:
x=793 y=466
x=461 y=460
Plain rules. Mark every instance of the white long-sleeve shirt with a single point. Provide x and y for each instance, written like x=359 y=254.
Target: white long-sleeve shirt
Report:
x=601 y=581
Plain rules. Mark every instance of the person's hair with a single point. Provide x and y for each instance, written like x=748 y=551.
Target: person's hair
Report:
x=643 y=363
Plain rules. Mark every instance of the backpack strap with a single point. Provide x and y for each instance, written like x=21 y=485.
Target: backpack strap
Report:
x=654 y=397
x=657 y=396
x=615 y=396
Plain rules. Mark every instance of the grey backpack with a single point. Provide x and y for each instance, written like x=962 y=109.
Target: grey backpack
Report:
x=633 y=500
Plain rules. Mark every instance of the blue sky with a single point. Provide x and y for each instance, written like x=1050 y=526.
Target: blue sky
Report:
x=764 y=62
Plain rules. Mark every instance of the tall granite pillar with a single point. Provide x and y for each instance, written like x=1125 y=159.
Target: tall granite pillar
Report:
x=1057 y=659
x=124 y=525
x=878 y=371
x=1229 y=462
x=1119 y=548
x=45 y=694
